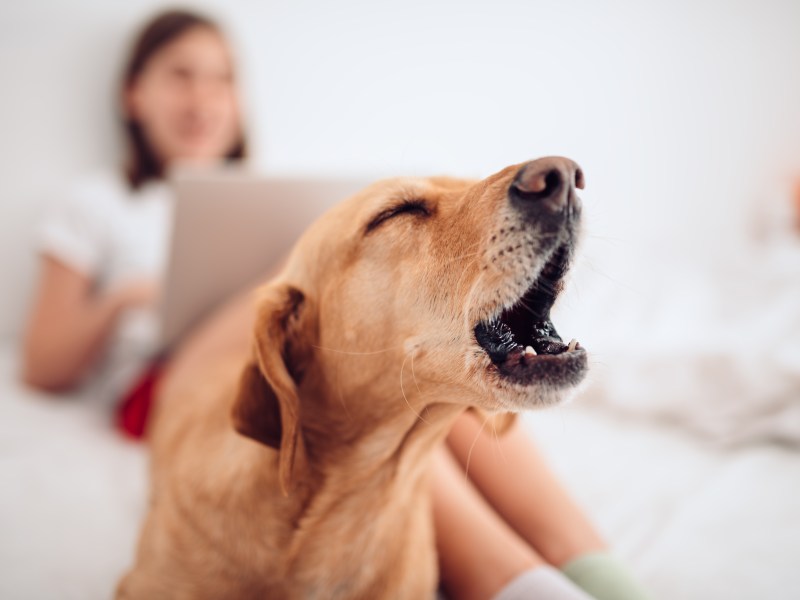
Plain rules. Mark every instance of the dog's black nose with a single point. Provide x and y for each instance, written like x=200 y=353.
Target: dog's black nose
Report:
x=546 y=185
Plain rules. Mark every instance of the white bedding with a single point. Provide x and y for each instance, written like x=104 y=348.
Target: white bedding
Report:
x=715 y=350
x=693 y=520
x=72 y=493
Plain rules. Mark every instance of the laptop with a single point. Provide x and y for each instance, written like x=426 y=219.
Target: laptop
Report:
x=229 y=229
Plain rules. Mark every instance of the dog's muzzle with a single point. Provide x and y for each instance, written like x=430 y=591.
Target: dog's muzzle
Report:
x=521 y=340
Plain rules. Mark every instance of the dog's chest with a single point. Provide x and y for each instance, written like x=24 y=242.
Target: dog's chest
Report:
x=367 y=554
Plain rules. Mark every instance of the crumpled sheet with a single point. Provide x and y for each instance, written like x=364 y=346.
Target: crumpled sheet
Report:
x=714 y=348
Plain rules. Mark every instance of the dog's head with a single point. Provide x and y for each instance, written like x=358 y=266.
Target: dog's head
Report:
x=416 y=292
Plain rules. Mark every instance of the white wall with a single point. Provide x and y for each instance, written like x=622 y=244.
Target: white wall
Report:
x=683 y=114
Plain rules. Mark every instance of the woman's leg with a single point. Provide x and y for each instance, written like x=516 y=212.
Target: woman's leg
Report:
x=514 y=478
x=479 y=553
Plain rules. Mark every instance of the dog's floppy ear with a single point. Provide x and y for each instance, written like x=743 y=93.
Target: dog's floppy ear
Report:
x=499 y=422
x=267 y=405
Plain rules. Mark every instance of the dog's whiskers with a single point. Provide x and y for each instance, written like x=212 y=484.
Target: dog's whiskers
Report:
x=352 y=352
x=468 y=303
x=528 y=308
x=548 y=286
x=464 y=273
x=413 y=375
x=497 y=443
x=338 y=383
x=590 y=264
x=402 y=388
x=472 y=447
x=461 y=257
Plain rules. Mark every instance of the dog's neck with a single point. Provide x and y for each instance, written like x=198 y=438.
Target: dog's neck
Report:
x=399 y=442
x=373 y=469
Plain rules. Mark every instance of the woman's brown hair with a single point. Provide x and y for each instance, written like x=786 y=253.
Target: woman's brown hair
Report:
x=143 y=163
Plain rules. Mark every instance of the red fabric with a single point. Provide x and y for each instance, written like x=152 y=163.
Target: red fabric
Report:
x=134 y=408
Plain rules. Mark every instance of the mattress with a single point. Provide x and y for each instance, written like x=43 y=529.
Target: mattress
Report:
x=693 y=520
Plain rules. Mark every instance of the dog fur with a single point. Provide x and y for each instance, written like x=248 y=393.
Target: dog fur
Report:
x=299 y=471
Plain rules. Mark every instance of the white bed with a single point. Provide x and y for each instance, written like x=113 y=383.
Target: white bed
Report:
x=694 y=520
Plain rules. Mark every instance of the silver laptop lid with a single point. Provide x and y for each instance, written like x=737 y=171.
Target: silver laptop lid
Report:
x=229 y=229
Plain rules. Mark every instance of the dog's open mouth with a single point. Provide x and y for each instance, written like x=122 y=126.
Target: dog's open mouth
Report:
x=522 y=341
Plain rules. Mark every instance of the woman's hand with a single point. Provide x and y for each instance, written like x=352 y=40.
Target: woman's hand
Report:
x=797 y=206
x=139 y=293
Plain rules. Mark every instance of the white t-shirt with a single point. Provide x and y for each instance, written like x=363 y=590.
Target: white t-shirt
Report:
x=113 y=234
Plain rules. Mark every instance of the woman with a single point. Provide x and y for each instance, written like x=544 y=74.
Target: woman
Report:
x=104 y=248
x=102 y=256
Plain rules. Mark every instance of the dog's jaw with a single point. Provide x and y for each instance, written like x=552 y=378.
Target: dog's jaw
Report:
x=516 y=349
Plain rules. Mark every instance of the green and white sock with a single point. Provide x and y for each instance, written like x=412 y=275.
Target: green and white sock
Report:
x=543 y=582
x=604 y=577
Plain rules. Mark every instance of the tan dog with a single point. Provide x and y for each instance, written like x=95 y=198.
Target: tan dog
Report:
x=396 y=310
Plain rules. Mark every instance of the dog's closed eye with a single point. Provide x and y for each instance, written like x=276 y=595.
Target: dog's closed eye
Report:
x=415 y=207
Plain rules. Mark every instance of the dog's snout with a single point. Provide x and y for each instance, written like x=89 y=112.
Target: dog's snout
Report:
x=546 y=185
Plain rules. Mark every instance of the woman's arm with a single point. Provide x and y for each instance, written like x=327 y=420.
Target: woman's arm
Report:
x=70 y=323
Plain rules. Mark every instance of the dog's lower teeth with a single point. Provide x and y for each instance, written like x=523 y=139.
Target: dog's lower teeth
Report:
x=529 y=350
x=572 y=345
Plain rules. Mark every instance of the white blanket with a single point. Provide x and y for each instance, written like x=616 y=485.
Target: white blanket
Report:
x=694 y=522
x=73 y=493
x=715 y=350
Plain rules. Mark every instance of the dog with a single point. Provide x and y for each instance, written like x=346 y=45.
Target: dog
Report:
x=299 y=471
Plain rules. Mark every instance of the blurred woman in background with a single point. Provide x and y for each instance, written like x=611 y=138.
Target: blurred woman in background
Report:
x=103 y=249
x=103 y=252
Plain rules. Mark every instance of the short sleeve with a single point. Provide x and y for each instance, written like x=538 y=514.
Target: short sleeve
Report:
x=72 y=232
